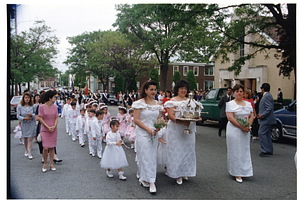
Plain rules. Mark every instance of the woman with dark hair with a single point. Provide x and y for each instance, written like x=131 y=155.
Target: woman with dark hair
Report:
x=180 y=147
x=26 y=114
x=38 y=129
x=36 y=99
x=146 y=112
x=238 y=136
x=48 y=116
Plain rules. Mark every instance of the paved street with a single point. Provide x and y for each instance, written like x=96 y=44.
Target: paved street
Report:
x=80 y=176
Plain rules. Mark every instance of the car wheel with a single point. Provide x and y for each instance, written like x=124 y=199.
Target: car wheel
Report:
x=276 y=134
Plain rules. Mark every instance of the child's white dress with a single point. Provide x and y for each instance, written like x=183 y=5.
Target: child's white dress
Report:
x=113 y=156
x=18 y=132
x=161 y=151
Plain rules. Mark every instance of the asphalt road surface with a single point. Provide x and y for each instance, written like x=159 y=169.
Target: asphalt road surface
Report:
x=79 y=176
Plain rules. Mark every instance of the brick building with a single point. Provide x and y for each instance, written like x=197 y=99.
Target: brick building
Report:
x=204 y=74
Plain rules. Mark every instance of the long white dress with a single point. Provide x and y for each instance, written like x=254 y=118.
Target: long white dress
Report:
x=181 y=155
x=146 y=147
x=161 y=151
x=238 y=142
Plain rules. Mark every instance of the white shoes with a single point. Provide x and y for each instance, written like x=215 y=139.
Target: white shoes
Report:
x=109 y=174
x=239 y=180
x=152 y=188
x=179 y=181
x=30 y=157
x=121 y=176
x=82 y=144
x=143 y=183
x=137 y=175
x=26 y=154
x=185 y=178
x=132 y=146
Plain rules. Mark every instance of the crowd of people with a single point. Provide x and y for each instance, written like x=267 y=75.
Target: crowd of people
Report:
x=90 y=121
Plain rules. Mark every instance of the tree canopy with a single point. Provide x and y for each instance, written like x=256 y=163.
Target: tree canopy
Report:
x=277 y=21
x=170 y=30
x=32 y=54
x=107 y=54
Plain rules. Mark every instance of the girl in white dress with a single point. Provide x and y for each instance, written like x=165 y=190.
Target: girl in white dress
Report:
x=18 y=133
x=181 y=156
x=238 y=137
x=161 y=151
x=114 y=156
x=146 y=112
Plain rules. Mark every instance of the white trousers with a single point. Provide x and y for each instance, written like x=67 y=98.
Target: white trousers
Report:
x=96 y=146
x=82 y=137
x=72 y=131
x=67 y=125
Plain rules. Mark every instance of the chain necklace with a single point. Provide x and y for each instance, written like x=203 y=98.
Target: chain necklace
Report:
x=48 y=107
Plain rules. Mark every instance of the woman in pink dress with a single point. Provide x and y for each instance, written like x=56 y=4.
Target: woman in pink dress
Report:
x=48 y=116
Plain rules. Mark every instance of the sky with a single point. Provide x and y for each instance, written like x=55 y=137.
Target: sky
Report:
x=67 y=20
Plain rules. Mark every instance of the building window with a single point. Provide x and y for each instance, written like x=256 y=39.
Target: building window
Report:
x=208 y=85
x=158 y=68
x=242 y=50
x=196 y=71
x=175 y=68
x=185 y=70
x=209 y=71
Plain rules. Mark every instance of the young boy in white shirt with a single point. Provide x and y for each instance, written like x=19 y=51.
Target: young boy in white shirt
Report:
x=91 y=129
x=80 y=124
x=65 y=111
x=73 y=114
x=99 y=116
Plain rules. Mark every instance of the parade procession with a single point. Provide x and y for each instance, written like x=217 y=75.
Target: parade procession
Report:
x=151 y=101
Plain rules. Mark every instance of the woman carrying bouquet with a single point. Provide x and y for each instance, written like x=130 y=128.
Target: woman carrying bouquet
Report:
x=146 y=112
x=238 y=135
x=180 y=147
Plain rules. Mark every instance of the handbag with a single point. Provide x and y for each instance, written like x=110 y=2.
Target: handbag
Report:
x=39 y=138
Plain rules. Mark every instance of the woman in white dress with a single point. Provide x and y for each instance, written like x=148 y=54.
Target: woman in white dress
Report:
x=238 y=137
x=181 y=156
x=146 y=112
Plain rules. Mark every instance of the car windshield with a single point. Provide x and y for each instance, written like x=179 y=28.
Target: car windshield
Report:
x=112 y=96
x=211 y=94
x=16 y=100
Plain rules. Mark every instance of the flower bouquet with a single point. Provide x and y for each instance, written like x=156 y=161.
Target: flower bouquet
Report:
x=157 y=124
x=243 y=121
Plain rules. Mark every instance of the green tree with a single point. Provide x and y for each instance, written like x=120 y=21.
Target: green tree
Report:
x=105 y=53
x=32 y=53
x=65 y=78
x=80 y=79
x=168 y=30
x=275 y=20
x=176 y=77
x=119 y=84
x=132 y=86
x=190 y=78
x=153 y=74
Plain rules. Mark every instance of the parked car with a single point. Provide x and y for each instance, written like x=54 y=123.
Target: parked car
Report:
x=13 y=106
x=112 y=100
x=210 y=104
x=286 y=122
